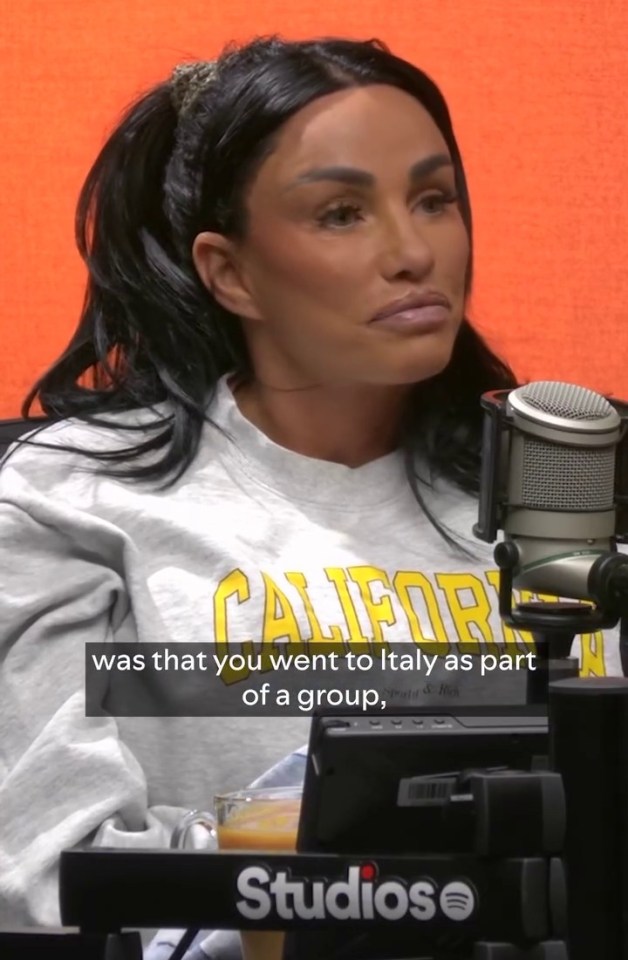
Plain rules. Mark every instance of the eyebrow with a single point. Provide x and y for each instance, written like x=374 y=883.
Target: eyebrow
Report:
x=361 y=178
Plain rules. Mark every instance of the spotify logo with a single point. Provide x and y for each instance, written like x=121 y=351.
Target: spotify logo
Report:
x=457 y=900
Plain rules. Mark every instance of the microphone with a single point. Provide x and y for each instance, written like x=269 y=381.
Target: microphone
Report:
x=554 y=478
x=555 y=482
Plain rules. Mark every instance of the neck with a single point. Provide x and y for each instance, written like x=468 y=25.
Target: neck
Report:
x=342 y=424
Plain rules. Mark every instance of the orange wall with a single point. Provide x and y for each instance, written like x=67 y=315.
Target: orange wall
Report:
x=538 y=94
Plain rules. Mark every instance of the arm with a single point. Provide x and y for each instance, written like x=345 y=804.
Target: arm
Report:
x=64 y=777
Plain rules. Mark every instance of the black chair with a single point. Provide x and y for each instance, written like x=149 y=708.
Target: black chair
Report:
x=10 y=430
x=60 y=944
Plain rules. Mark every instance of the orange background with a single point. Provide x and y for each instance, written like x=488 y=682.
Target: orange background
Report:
x=538 y=95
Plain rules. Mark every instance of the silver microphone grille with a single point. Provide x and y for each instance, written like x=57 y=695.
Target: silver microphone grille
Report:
x=574 y=472
x=565 y=400
x=567 y=478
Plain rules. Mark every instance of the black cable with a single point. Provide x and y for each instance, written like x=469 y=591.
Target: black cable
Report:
x=623 y=644
x=183 y=944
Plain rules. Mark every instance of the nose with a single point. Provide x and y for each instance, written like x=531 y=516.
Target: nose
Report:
x=406 y=251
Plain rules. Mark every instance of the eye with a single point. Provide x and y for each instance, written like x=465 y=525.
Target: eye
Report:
x=341 y=215
x=434 y=203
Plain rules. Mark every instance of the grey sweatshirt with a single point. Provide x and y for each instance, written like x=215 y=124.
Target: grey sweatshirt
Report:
x=254 y=542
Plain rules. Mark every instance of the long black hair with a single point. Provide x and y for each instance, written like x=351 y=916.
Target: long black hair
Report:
x=151 y=333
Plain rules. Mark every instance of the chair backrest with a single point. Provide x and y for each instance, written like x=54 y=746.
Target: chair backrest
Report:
x=10 y=430
x=68 y=944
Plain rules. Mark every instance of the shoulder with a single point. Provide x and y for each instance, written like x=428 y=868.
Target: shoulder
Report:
x=55 y=459
x=72 y=453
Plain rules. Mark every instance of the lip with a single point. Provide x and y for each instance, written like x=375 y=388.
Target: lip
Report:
x=416 y=313
x=419 y=320
x=414 y=303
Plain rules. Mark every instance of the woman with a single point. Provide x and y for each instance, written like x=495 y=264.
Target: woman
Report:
x=279 y=441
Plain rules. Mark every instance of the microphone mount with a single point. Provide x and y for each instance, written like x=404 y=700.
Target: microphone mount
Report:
x=555 y=624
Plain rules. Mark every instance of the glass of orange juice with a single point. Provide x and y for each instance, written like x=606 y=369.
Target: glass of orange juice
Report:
x=260 y=819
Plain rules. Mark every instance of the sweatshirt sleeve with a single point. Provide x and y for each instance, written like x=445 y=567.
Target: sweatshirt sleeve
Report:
x=64 y=778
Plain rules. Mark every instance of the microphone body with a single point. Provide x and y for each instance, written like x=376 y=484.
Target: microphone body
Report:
x=548 y=481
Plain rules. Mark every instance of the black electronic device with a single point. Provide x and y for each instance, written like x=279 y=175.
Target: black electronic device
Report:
x=407 y=848
x=449 y=784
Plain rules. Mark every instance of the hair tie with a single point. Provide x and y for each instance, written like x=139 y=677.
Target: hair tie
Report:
x=188 y=81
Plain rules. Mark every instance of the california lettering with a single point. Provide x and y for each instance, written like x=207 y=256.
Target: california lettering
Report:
x=365 y=608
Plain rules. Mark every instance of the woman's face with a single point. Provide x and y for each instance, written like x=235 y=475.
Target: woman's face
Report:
x=353 y=215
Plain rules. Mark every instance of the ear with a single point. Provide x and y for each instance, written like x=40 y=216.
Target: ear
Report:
x=217 y=264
